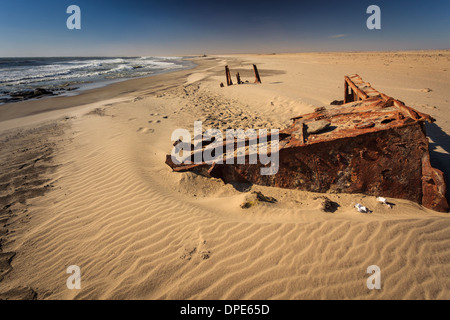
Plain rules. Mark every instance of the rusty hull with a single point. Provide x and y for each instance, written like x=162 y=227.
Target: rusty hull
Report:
x=373 y=144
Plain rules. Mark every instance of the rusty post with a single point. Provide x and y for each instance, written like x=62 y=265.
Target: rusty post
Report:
x=227 y=71
x=238 y=77
x=257 y=77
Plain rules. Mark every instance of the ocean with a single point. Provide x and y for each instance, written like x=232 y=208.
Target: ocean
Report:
x=30 y=78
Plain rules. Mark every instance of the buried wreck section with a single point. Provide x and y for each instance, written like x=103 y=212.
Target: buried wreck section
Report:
x=372 y=144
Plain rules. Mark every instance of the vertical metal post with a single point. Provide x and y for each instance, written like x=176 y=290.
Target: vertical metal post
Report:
x=257 y=77
x=238 y=77
x=229 y=81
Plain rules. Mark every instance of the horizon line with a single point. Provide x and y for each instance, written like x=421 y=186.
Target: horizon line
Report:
x=218 y=54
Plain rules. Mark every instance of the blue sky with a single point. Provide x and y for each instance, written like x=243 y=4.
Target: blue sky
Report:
x=131 y=27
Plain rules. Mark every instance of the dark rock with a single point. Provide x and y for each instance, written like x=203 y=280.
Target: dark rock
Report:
x=22 y=94
x=30 y=94
x=41 y=92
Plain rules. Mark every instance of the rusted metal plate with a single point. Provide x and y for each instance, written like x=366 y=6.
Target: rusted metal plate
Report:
x=373 y=144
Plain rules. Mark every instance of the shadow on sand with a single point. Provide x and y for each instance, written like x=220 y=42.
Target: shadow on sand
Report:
x=440 y=160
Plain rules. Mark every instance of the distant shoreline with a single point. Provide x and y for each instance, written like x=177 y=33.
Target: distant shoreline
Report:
x=113 y=89
x=34 y=78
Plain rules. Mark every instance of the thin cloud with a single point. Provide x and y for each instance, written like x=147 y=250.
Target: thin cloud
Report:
x=337 y=36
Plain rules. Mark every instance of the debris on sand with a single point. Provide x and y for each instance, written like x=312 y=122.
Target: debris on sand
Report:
x=384 y=201
x=255 y=198
x=327 y=205
x=361 y=208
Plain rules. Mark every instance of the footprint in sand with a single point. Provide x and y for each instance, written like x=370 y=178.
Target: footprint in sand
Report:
x=199 y=249
x=188 y=253
x=145 y=130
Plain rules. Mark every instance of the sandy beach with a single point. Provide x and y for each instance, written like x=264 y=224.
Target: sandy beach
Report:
x=84 y=182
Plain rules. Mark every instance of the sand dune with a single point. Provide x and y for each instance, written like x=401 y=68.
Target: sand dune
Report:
x=139 y=231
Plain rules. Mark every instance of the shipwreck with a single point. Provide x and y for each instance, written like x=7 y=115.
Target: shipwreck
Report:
x=371 y=144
